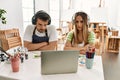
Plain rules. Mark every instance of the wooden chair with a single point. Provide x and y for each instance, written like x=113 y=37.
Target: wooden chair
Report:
x=10 y=38
x=61 y=35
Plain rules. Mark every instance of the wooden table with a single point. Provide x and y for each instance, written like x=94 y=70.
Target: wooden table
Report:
x=30 y=70
x=111 y=66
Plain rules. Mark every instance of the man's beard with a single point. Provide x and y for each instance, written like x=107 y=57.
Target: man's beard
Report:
x=41 y=31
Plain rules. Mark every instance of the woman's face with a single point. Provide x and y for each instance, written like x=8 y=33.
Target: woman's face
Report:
x=79 y=23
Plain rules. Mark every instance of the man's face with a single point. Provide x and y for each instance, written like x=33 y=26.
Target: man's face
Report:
x=41 y=25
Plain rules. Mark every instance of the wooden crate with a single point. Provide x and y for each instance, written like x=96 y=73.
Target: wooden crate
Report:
x=10 y=38
x=114 y=32
x=113 y=44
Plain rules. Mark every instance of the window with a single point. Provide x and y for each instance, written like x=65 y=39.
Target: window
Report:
x=66 y=4
x=56 y=8
x=54 y=12
x=85 y=5
x=28 y=12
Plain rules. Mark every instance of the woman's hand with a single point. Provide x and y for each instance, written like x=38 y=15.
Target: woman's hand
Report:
x=82 y=50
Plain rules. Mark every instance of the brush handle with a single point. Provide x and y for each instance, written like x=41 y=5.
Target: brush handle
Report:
x=5 y=52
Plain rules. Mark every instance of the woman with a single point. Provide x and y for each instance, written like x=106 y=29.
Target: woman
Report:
x=79 y=38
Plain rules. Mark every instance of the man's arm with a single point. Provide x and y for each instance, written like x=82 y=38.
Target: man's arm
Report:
x=51 y=46
x=35 y=46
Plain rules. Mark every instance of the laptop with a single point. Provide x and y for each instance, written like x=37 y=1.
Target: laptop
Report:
x=59 y=62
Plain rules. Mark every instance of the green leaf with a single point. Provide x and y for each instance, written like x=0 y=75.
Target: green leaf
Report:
x=2 y=17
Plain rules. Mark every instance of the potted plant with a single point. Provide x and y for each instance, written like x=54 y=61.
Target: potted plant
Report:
x=2 y=16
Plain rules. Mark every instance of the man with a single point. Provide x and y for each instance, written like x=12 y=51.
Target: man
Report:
x=40 y=35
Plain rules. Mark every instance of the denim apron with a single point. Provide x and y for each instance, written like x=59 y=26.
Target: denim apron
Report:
x=38 y=39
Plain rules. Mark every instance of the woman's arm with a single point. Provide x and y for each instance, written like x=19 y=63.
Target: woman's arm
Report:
x=68 y=46
x=91 y=38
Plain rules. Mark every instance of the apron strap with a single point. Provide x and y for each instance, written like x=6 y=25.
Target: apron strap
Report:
x=46 y=34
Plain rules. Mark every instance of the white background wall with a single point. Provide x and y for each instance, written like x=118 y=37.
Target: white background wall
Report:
x=14 y=14
x=113 y=10
x=15 y=18
x=42 y=5
x=113 y=7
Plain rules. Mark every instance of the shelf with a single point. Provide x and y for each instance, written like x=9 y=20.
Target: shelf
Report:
x=112 y=51
x=116 y=37
x=10 y=38
x=113 y=44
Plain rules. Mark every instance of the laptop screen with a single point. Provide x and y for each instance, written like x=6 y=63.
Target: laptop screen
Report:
x=59 y=62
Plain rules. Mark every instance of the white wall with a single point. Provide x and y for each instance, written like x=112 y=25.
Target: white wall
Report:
x=15 y=18
x=14 y=14
x=112 y=12
x=112 y=6
x=42 y=5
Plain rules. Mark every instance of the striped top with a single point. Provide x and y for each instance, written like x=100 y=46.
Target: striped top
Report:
x=91 y=37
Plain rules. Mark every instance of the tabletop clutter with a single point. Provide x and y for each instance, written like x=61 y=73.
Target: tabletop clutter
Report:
x=90 y=57
x=15 y=58
x=87 y=60
x=20 y=54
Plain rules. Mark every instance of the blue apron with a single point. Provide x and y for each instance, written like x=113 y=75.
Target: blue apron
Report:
x=38 y=39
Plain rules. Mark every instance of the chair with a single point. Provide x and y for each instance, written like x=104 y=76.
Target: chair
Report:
x=61 y=35
x=10 y=38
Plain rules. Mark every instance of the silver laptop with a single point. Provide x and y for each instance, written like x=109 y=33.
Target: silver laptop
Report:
x=59 y=62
